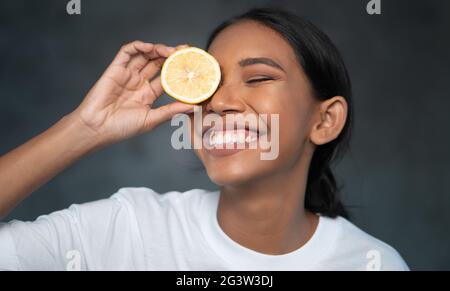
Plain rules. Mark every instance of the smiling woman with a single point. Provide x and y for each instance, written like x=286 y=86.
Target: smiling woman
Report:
x=276 y=214
x=314 y=72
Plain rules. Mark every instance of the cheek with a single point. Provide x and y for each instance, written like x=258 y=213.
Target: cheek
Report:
x=294 y=122
x=293 y=133
x=294 y=112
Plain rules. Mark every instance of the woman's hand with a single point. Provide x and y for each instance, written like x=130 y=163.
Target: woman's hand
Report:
x=119 y=105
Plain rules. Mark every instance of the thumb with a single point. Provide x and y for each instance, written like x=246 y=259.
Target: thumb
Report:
x=181 y=46
x=163 y=113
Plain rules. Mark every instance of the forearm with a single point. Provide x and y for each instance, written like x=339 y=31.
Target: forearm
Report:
x=32 y=164
x=117 y=107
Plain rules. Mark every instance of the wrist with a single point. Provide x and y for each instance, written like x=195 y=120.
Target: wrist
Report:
x=78 y=134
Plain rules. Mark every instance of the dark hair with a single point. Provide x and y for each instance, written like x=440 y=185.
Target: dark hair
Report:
x=326 y=71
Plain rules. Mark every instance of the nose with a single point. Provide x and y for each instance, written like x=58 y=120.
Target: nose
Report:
x=225 y=100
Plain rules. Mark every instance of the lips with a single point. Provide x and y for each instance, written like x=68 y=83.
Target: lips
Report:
x=219 y=143
x=227 y=137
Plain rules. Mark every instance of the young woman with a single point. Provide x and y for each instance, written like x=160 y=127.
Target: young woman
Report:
x=280 y=214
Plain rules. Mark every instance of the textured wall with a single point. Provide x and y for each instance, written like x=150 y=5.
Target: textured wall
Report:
x=396 y=175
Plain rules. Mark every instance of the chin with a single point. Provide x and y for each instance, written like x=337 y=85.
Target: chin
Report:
x=222 y=177
x=236 y=169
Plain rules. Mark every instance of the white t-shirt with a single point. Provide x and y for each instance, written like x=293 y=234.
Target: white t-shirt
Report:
x=139 y=229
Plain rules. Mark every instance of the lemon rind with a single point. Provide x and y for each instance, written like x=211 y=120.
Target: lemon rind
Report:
x=181 y=98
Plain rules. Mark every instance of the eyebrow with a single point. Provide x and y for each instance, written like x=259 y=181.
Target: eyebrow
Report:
x=265 y=61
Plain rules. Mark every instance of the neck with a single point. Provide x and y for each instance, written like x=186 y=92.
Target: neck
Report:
x=268 y=215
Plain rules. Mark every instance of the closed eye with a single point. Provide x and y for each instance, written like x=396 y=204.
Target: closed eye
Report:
x=256 y=80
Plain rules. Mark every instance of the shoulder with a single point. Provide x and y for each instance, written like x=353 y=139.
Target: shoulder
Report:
x=128 y=203
x=356 y=248
x=144 y=202
x=130 y=221
x=147 y=197
x=129 y=209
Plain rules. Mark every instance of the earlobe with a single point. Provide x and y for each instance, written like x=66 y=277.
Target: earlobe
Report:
x=331 y=118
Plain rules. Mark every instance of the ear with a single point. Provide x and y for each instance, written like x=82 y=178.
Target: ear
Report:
x=329 y=121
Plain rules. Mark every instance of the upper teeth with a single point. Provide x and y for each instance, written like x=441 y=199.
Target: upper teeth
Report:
x=234 y=136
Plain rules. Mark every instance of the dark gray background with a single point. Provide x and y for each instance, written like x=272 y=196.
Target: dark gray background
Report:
x=396 y=175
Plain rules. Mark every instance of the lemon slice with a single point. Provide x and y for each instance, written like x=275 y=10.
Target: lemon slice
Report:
x=190 y=75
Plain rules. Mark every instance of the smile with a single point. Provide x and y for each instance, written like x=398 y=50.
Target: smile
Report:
x=221 y=138
x=227 y=142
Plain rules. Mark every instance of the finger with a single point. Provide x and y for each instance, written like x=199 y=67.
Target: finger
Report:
x=155 y=65
x=138 y=61
x=148 y=53
x=127 y=51
x=155 y=90
x=147 y=56
x=165 y=112
x=143 y=51
x=181 y=46
x=152 y=68
x=160 y=50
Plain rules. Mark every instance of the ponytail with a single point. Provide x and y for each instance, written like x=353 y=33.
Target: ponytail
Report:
x=322 y=193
